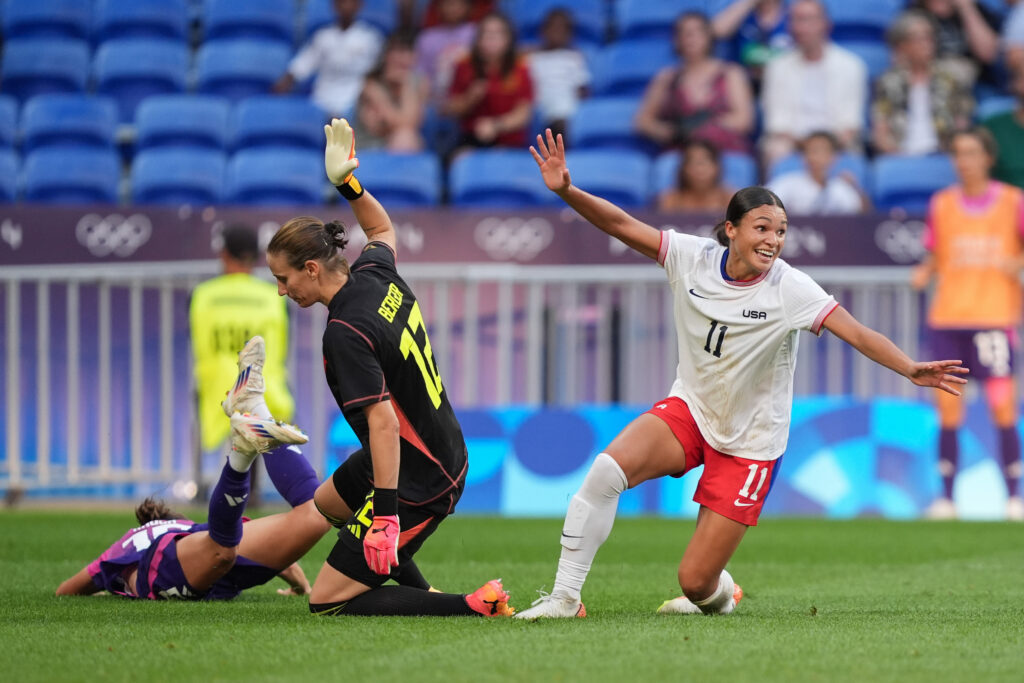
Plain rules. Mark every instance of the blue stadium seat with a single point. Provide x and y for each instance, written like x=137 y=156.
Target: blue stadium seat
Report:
x=622 y=177
x=497 y=178
x=909 y=182
x=266 y=20
x=8 y=175
x=854 y=163
x=8 y=121
x=652 y=20
x=588 y=18
x=875 y=53
x=69 y=120
x=132 y=69
x=237 y=69
x=264 y=176
x=178 y=175
x=47 y=19
x=268 y=120
x=993 y=106
x=738 y=170
x=862 y=19
x=71 y=175
x=183 y=120
x=141 y=19
x=606 y=122
x=401 y=180
x=626 y=67
x=382 y=14
x=35 y=66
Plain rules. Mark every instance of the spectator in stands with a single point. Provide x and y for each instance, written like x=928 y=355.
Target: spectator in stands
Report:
x=1013 y=36
x=491 y=93
x=816 y=190
x=817 y=86
x=757 y=30
x=967 y=33
x=1008 y=130
x=703 y=98
x=433 y=13
x=920 y=101
x=339 y=55
x=559 y=71
x=390 y=107
x=698 y=182
x=441 y=45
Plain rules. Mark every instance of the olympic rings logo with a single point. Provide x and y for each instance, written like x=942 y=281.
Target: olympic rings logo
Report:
x=113 y=234
x=901 y=240
x=513 y=238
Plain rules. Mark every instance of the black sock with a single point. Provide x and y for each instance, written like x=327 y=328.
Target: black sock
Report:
x=398 y=601
x=408 y=574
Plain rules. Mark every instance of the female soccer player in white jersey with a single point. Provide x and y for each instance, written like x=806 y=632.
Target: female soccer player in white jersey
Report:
x=738 y=309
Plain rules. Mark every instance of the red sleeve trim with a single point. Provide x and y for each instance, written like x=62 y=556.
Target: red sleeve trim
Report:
x=819 y=322
x=663 y=248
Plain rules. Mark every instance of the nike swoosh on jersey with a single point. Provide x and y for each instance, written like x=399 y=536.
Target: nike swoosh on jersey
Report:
x=698 y=295
x=737 y=503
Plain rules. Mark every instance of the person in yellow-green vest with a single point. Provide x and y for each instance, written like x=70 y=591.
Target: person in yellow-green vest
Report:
x=224 y=313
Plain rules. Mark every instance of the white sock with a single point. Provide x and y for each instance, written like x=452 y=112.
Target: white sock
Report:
x=587 y=524
x=719 y=602
x=240 y=462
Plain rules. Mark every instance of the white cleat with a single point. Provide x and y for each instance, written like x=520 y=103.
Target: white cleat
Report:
x=552 y=607
x=1015 y=509
x=246 y=396
x=252 y=435
x=941 y=509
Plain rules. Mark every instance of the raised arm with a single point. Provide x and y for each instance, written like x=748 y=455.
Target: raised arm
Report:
x=550 y=158
x=941 y=374
x=340 y=161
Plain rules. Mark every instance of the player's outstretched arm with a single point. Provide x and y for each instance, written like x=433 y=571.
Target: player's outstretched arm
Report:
x=340 y=161
x=550 y=157
x=296 y=580
x=941 y=374
x=79 y=584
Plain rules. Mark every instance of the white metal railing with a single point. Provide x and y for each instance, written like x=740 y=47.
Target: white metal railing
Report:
x=98 y=356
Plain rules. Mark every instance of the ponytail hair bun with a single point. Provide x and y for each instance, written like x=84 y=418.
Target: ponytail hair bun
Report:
x=336 y=234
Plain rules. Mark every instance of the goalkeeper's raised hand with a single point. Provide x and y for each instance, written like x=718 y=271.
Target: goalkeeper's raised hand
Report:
x=551 y=160
x=340 y=152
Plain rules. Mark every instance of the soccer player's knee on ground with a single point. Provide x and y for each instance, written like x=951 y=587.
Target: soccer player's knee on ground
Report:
x=697 y=585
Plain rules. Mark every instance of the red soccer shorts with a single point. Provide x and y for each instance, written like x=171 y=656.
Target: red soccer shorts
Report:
x=733 y=487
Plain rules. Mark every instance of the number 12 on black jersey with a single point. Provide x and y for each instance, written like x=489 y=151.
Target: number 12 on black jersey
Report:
x=423 y=356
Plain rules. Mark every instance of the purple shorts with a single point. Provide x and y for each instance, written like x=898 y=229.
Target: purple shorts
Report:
x=988 y=353
x=160 y=576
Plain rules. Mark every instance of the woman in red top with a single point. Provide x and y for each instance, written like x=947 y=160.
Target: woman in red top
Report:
x=491 y=92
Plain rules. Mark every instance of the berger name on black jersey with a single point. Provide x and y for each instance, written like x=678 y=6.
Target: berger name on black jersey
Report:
x=375 y=349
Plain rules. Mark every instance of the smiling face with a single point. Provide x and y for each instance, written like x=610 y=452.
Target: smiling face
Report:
x=301 y=286
x=756 y=241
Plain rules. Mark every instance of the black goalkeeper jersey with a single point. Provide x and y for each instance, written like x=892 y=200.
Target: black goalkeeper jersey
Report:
x=376 y=349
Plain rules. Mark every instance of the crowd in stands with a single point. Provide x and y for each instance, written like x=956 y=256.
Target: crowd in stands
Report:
x=832 y=103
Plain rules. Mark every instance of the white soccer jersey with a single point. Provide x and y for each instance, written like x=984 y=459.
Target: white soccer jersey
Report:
x=738 y=343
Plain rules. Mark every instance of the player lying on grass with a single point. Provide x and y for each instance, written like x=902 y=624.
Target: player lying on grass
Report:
x=738 y=309
x=169 y=556
x=394 y=492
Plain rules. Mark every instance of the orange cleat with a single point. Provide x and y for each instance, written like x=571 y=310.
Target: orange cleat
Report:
x=490 y=600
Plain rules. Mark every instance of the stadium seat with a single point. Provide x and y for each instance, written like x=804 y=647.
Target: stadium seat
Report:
x=606 y=122
x=178 y=175
x=643 y=19
x=497 y=178
x=401 y=180
x=237 y=69
x=47 y=19
x=141 y=19
x=266 y=20
x=909 y=182
x=69 y=120
x=875 y=53
x=862 y=19
x=622 y=177
x=380 y=13
x=626 y=67
x=132 y=69
x=738 y=170
x=993 y=106
x=35 y=66
x=265 y=176
x=183 y=120
x=71 y=175
x=268 y=120
x=854 y=163
x=588 y=18
x=8 y=175
x=8 y=121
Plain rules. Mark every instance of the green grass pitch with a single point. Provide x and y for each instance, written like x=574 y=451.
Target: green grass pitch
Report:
x=825 y=601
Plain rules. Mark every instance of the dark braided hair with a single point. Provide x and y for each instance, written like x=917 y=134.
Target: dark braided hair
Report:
x=309 y=239
x=152 y=509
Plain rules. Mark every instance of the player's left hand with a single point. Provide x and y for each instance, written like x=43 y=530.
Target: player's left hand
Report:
x=941 y=374
x=340 y=151
x=380 y=547
x=551 y=160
